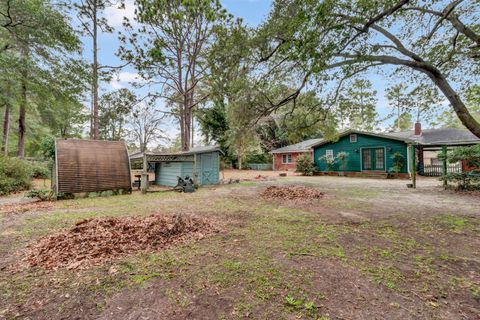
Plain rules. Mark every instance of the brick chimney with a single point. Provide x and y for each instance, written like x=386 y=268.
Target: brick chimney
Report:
x=418 y=128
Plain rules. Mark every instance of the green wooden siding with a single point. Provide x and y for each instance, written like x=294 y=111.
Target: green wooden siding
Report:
x=208 y=170
x=354 y=150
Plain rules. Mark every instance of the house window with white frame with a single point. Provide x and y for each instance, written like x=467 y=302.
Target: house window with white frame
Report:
x=353 y=138
x=329 y=154
x=286 y=158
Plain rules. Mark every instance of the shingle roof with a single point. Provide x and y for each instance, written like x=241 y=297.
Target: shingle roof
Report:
x=303 y=146
x=442 y=136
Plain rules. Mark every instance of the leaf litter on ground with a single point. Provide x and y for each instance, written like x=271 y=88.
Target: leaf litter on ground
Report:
x=291 y=192
x=96 y=240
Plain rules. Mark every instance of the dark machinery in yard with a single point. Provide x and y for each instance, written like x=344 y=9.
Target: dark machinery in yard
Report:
x=185 y=185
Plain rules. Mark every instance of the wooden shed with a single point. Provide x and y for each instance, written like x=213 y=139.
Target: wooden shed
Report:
x=201 y=163
x=91 y=166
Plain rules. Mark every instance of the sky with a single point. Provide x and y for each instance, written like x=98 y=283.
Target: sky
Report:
x=253 y=12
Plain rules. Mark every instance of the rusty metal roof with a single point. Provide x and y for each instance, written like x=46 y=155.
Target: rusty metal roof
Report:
x=91 y=165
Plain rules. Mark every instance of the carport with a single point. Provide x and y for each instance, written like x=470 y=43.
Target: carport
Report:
x=201 y=163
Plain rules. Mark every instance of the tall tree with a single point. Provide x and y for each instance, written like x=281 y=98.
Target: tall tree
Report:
x=40 y=41
x=145 y=123
x=359 y=105
x=169 y=50
x=324 y=40
x=114 y=109
x=93 y=22
x=401 y=104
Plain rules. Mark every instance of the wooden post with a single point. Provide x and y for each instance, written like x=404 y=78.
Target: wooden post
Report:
x=444 y=165
x=414 y=169
x=144 y=178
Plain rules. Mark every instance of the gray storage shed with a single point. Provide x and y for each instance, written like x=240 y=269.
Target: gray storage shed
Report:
x=201 y=163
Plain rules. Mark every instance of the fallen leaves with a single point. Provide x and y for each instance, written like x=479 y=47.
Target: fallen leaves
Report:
x=16 y=208
x=291 y=192
x=93 y=241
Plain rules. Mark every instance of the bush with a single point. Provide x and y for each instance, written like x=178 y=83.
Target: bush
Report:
x=398 y=160
x=464 y=180
x=305 y=165
x=469 y=180
x=343 y=159
x=40 y=172
x=15 y=175
x=43 y=195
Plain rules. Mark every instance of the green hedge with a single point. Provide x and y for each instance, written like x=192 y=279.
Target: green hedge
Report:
x=15 y=175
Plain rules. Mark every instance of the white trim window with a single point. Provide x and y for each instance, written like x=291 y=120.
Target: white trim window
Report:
x=287 y=158
x=329 y=154
x=353 y=138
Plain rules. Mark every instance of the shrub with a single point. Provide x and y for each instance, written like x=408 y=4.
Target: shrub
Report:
x=305 y=165
x=464 y=180
x=43 y=195
x=40 y=171
x=398 y=160
x=329 y=162
x=15 y=175
x=469 y=180
x=343 y=159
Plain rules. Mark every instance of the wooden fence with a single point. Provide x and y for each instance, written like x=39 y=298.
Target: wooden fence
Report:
x=436 y=170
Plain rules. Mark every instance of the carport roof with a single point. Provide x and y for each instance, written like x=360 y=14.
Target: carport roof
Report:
x=441 y=136
x=180 y=154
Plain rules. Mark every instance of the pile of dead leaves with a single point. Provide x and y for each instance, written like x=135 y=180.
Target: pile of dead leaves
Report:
x=96 y=240
x=292 y=192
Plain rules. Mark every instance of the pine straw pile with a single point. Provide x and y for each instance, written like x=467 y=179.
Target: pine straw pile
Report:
x=97 y=240
x=292 y=192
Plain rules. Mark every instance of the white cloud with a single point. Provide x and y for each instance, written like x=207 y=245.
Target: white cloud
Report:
x=115 y=16
x=123 y=79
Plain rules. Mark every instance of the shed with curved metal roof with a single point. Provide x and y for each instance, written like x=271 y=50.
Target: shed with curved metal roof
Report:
x=91 y=166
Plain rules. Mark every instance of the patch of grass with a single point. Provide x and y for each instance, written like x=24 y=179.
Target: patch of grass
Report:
x=454 y=223
x=387 y=275
x=247 y=183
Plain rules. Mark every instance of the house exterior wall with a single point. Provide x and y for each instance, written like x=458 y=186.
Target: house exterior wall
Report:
x=354 y=149
x=279 y=166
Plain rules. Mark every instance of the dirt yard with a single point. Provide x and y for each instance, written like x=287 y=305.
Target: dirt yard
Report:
x=360 y=249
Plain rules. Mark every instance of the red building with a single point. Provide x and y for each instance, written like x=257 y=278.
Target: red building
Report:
x=285 y=159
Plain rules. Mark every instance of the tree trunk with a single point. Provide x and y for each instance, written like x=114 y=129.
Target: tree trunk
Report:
x=193 y=132
x=187 y=128
x=398 y=116
x=95 y=75
x=239 y=158
x=186 y=116
x=21 y=120
x=6 y=128
x=458 y=106
x=441 y=82
x=23 y=108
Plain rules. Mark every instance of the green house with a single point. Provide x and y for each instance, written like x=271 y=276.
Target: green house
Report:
x=370 y=152
x=365 y=152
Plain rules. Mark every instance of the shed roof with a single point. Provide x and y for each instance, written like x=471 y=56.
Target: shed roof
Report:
x=179 y=155
x=442 y=136
x=303 y=146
